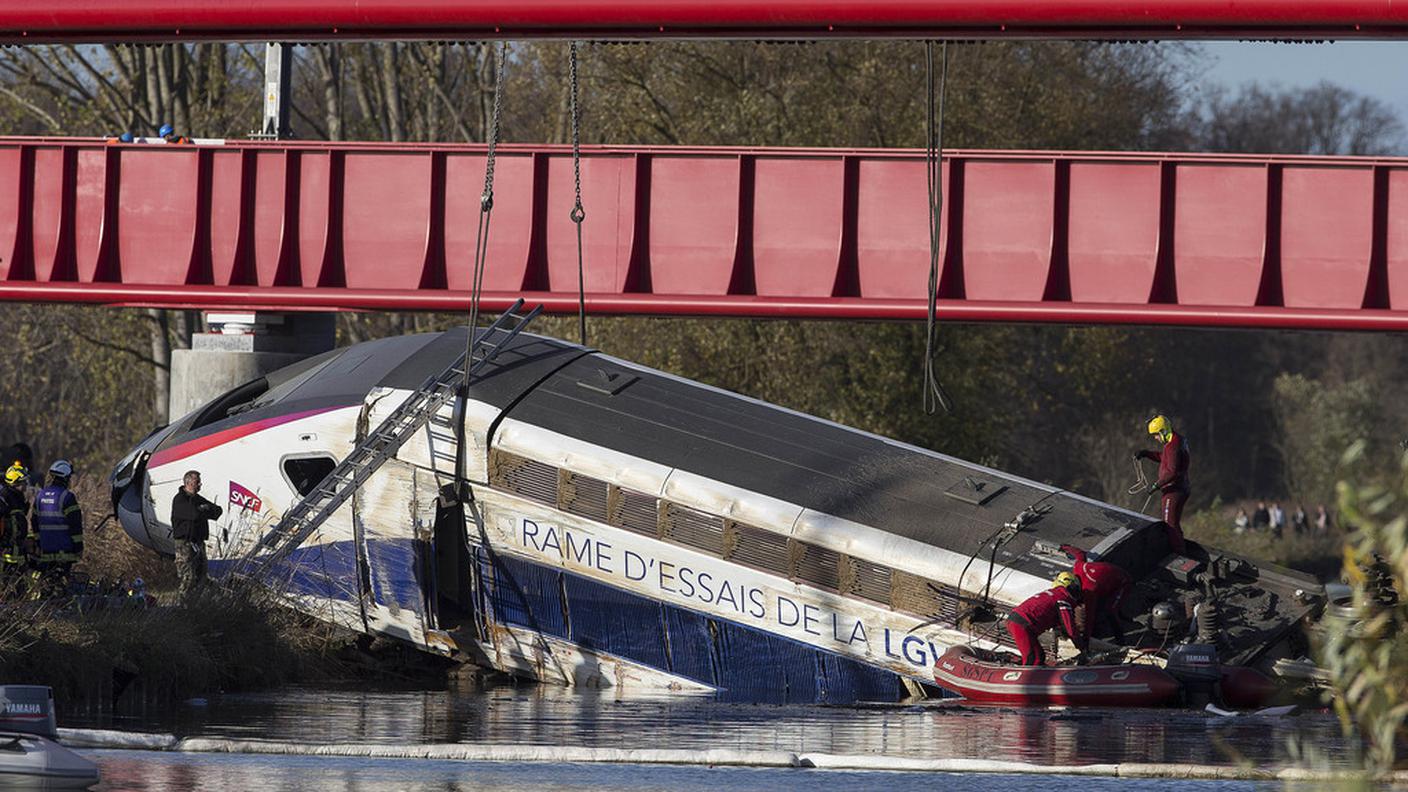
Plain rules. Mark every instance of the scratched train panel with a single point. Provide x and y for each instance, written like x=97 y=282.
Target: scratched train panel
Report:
x=583 y=520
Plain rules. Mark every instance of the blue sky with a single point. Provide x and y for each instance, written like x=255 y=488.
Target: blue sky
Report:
x=1375 y=68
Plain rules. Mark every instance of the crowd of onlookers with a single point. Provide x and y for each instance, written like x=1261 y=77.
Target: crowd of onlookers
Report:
x=1277 y=520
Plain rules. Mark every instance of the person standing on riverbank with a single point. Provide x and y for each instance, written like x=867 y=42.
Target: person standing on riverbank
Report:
x=14 y=531
x=190 y=527
x=58 y=521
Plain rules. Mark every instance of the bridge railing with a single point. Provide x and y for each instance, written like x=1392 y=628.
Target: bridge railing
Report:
x=1026 y=236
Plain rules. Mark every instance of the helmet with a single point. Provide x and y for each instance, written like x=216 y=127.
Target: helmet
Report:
x=62 y=468
x=1067 y=580
x=1160 y=427
x=126 y=137
x=16 y=475
x=166 y=129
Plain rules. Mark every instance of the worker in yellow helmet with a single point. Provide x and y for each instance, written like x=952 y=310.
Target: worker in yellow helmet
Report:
x=1042 y=612
x=1173 y=477
x=15 y=543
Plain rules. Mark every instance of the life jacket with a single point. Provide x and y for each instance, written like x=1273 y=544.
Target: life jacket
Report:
x=59 y=522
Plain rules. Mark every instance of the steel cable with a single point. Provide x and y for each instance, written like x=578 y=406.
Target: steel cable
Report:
x=578 y=213
x=935 y=396
x=486 y=209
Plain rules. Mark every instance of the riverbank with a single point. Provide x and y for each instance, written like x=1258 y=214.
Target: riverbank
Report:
x=109 y=651
x=101 y=654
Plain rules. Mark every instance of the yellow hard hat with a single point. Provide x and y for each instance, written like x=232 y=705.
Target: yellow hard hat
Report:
x=1159 y=424
x=16 y=475
x=1067 y=580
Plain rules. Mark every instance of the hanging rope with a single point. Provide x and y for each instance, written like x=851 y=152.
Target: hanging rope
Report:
x=578 y=213
x=486 y=208
x=935 y=396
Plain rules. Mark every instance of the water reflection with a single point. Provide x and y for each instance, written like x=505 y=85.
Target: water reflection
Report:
x=544 y=715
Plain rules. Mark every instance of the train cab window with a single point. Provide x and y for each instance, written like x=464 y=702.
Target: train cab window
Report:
x=230 y=403
x=305 y=473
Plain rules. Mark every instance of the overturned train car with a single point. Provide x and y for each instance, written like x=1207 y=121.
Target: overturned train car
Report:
x=583 y=520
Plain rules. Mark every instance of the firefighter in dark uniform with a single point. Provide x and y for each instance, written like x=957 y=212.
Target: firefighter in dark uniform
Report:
x=58 y=521
x=1042 y=612
x=1173 y=477
x=15 y=541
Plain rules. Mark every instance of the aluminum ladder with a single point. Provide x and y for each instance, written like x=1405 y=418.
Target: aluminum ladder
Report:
x=381 y=444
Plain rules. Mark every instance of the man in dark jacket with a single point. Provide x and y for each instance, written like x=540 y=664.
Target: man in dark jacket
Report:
x=190 y=527
x=1173 y=477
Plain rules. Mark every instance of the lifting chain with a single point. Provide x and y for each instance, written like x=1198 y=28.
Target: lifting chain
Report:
x=486 y=206
x=578 y=213
x=935 y=396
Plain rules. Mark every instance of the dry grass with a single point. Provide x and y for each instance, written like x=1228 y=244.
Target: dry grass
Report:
x=109 y=553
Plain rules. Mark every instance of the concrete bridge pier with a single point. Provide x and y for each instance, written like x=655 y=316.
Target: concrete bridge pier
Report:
x=240 y=346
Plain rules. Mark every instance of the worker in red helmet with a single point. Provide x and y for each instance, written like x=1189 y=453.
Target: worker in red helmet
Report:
x=1103 y=587
x=1041 y=612
x=1173 y=477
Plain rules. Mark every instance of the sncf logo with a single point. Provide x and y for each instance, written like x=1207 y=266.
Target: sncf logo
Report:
x=243 y=498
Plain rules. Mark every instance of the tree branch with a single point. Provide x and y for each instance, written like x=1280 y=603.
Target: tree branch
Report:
x=33 y=108
x=119 y=348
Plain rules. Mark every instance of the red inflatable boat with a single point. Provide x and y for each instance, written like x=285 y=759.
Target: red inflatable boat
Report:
x=982 y=680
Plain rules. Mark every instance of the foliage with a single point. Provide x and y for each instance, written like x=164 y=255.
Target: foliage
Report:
x=1368 y=654
x=69 y=392
x=1316 y=421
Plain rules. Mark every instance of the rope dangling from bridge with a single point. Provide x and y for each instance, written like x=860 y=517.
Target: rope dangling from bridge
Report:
x=935 y=396
x=486 y=207
x=578 y=213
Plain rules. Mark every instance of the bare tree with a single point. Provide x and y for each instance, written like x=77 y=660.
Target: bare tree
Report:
x=1324 y=119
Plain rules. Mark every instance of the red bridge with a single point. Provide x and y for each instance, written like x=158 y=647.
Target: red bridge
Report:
x=33 y=21
x=1027 y=236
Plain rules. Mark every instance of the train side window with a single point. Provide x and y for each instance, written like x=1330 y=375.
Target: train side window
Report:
x=305 y=473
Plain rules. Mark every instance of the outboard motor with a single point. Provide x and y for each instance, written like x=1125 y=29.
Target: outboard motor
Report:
x=28 y=709
x=1197 y=668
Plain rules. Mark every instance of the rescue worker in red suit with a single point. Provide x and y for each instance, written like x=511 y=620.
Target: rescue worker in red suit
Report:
x=1041 y=612
x=1173 y=477
x=1103 y=588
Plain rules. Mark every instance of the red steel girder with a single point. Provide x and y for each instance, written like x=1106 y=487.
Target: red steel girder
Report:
x=26 y=21
x=1185 y=239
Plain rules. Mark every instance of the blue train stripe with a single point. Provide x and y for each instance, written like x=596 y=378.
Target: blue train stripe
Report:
x=744 y=663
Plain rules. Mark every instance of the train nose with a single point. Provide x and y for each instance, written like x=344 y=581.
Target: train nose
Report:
x=129 y=483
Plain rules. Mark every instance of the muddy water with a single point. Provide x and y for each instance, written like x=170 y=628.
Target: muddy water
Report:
x=543 y=715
